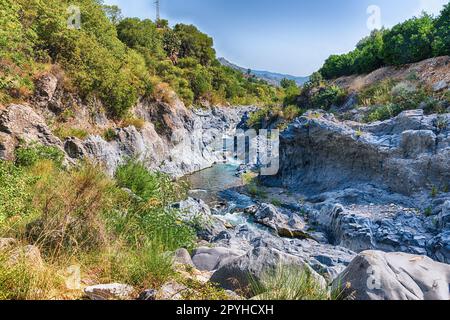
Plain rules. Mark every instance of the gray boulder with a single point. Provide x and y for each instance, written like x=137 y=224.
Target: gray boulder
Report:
x=209 y=259
x=20 y=123
x=238 y=273
x=440 y=85
x=375 y=275
x=183 y=257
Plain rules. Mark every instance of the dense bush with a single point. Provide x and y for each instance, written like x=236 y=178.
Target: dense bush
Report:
x=289 y=282
x=328 y=96
x=117 y=60
x=416 y=39
x=441 y=42
x=15 y=191
x=80 y=216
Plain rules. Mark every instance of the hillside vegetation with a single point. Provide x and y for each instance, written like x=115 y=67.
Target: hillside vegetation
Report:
x=411 y=41
x=114 y=59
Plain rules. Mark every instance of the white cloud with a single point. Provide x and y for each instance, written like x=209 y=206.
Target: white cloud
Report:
x=431 y=6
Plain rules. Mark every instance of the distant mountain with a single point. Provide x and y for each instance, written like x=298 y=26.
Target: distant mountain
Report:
x=271 y=77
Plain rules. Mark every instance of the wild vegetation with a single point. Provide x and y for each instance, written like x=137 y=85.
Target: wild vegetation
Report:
x=117 y=60
x=411 y=41
x=114 y=230
x=290 y=282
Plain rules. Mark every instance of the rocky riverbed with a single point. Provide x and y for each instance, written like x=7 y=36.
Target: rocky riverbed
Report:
x=342 y=189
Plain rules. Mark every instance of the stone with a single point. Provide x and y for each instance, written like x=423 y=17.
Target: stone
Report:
x=112 y=291
x=29 y=254
x=440 y=85
x=444 y=216
x=148 y=295
x=292 y=233
x=209 y=259
x=322 y=154
x=415 y=142
x=74 y=148
x=284 y=223
x=375 y=275
x=7 y=243
x=20 y=123
x=440 y=247
x=236 y=273
x=172 y=291
x=45 y=89
x=183 y=257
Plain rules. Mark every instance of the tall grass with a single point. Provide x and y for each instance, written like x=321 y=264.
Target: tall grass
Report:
x=81 y=216
x=289 y=282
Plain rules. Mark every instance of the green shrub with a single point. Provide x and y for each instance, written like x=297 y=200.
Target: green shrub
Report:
x=382 y=113
x=109 y=134
x=414 y=40
x=64 y=133
x=72 y=205
x=291 y=112
x=377 y=94
x=16 y=192
x=146 y=267
x=30 y=155
x=23 y=281
x=289 y=282
x=327 y=97
x=135 y=176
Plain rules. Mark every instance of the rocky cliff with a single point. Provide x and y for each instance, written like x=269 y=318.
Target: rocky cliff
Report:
x=372 y=186
x=173 y=138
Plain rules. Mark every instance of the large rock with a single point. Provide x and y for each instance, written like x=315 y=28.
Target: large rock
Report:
x=20 y=123
x=405 y=154
x=209 y=259
x=374 y=275
x=286 y=224
x=174 y=139
x=112 y=291
x=238 y=273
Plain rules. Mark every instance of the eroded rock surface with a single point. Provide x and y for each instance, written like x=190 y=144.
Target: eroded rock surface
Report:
x=375 y=275
x=377 y=186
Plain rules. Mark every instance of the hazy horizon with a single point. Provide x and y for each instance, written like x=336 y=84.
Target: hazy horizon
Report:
x=285 y=36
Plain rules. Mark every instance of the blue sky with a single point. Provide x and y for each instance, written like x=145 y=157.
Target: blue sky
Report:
x=287 y=36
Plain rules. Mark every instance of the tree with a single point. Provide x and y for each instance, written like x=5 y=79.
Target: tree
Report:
x=286 y=83
x=113 y=13
x=141 y=35
x=441 y=43
x=409 y=41
x=194 y=43
x=370 y=52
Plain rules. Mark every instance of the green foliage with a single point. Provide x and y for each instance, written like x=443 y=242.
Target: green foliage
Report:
x=29 y=155
x=158 y=187
x=146 y=267
x=409 y=41
x=63 y=133
x=416 y=39
x=328 y=96
x=21 y=280
x=377 y=94
x=143 y=36
x=117 y=60
x=194 y=43
x=384 y=112
x=289 y=283
x=15 y=192
x=286 y=83
x=441 y=42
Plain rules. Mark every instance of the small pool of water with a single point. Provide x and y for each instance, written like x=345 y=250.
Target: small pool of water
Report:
x=208 y=183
